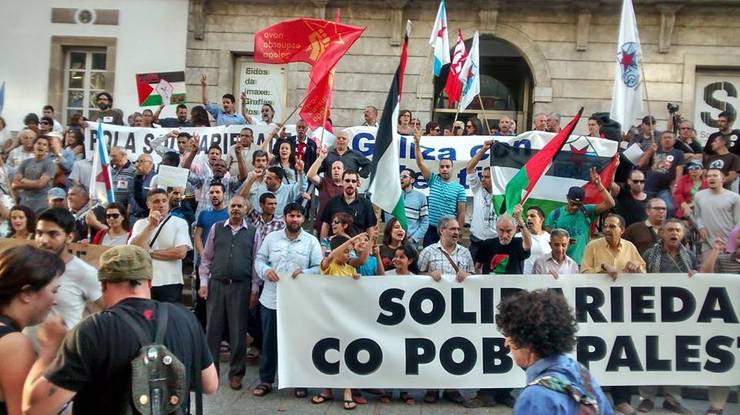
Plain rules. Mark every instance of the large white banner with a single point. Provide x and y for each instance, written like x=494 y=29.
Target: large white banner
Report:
x=412 y=332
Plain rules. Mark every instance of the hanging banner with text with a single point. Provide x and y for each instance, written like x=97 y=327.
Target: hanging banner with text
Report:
x=263 y=84
x=411 y=332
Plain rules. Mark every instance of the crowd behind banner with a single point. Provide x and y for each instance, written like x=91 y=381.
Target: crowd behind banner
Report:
x=247 y=203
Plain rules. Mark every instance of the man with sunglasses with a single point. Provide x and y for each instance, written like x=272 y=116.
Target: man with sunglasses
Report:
x=350 y=202
x=576 y=218
x=631 y=199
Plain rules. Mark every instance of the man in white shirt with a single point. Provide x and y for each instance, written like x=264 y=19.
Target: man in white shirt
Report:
x=483 y=223
x=167 y=239
x=540 y=238
x=78 y=285
x=556 y=262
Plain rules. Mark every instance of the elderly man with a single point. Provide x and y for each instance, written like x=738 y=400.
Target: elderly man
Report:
x=557 y=262
x=24 y=151
x=351 y=159
x=371 y=116
x=539 y=122
x=145 y=172
x=539 y=331
x=446 y=257
x=553 y=122
x=86 y=224
x=122 y=175
x=305 y=148
x=505 y=254
x=283 y=254
x=229 y=285
x=446 y=195
x=668 y=255
x=644 y=234
x=613 y=255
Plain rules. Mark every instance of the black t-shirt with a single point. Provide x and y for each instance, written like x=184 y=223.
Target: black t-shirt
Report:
x=502 y=259
x=95 y=357
x=725 y=162
x=174 y=123
x=692 y=148
x=81 y=228
x=631 y=209
x=662 y=169
x=360 y=209
x=731 y=139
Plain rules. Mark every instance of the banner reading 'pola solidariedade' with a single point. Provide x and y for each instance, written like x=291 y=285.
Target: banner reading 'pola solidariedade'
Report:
x=411 y=332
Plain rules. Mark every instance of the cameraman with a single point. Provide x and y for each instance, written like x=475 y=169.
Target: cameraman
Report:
x=685 y=134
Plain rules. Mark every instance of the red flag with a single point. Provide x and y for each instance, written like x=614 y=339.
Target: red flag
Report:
x=593 y=195
x=320 y=43
x=453 y=86
x=318 y=101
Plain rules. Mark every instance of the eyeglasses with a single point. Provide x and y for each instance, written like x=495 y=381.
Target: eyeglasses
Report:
x=112 y=215
x=405 y=176
x=350 y=180
x=436 y=129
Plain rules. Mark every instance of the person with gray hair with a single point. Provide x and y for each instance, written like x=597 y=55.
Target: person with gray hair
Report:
x=553 y=122
x=539 y=122
x=557 y=262
x=122 y=175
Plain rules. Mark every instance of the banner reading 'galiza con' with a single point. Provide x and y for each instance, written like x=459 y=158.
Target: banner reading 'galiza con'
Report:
x=411 y=332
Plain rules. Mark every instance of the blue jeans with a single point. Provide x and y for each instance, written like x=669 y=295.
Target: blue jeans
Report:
x=268 y=358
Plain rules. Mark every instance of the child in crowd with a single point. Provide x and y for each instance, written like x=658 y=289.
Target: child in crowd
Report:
x=367 y=264
x=404 y=260
x=337 y=264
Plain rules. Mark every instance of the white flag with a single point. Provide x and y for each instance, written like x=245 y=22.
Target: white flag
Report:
x=439 y=40
x=627 y=95
x=470 y=75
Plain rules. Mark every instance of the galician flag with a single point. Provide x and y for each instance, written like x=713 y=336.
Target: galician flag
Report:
x=439 y=39
x=470 y=75
x=385 y=181
x=627 y=94
x=101 y=185
x=453 y=86
x=520 y=186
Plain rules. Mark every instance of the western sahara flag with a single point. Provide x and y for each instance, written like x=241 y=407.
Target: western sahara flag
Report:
x=571 y=168
x=385 y=182
x=101 y=185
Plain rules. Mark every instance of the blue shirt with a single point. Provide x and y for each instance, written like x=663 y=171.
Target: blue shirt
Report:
x=223 y=118
x=206 y=219
x=417 y=214
x=536 y=399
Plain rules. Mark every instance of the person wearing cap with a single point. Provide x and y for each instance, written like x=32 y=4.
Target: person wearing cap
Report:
x=229 y=285
x=576 y=218
x=646 y=135
x=56 y=197
x=686 y=187
x=91 y=364
x=282 y=254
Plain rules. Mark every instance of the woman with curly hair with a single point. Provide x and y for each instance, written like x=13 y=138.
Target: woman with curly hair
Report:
x=539 y=330
x=22 y=223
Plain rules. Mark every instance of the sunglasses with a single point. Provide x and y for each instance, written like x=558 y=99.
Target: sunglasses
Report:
x=638 y=181
x=350 y=180
x=112 y=215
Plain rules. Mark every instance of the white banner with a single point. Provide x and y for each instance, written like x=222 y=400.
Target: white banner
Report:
x=411 y=332
x=263 y=84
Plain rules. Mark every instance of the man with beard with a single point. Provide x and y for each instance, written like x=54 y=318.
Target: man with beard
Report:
x=205 y=219
x=446 y=196
x=417 y=209
x=504 y=254
x=483 y=223
x=329 y=186
x=107 y=113
x=273 y=183
x=241 y=153
x=668 y=255
x=644 y=234
x=350 y=202
x=506 y=126
x=225 y=116
x=34 y=177
x=78 y=285
x=229 y=285
x=282 y=254
x=167 y=239
x=725 y=120
x=181 y=119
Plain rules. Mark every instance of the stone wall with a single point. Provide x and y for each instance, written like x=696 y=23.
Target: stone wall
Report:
x=547 y=34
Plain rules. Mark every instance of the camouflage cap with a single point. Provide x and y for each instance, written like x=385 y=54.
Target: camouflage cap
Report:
x=125 y=263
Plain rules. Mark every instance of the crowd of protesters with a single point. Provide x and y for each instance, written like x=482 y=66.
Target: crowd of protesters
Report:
x=289 y=206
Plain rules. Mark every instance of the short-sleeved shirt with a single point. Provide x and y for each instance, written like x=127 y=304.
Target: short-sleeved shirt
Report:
x=111 y=116
x=578 y=224
x=34 y=169
x=433 y=259
x=172 y=122
x=337 y=270
x=663 y=169
x=174 y=233
x=206 y=219
x=631 y=209
x=78 y=285
x=502 y=259
x=360 y=209
x=443 y=198
x=95 y=357
x=223 y=118
x=731 y=139
x=725 y=162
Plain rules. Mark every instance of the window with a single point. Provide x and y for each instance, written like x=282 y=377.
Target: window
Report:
x=85 y=75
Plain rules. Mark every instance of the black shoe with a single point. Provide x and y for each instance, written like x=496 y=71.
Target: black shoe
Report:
x=505 y=399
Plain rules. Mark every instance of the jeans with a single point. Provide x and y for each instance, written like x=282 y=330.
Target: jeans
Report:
x=171 y=293
x=268 y=360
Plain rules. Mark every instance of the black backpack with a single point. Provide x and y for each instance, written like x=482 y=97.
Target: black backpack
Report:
x=158 y=377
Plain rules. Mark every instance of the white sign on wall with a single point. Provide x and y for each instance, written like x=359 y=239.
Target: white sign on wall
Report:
x=715 y=92
x=263 y=84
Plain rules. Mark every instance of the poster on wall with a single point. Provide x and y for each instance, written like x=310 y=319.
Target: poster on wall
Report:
x=715 y=92
x=262 y=84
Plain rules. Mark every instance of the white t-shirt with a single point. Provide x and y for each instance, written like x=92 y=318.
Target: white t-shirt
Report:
x=78 y=285
x=540 y=246
x=174 y=233
x=483 y=222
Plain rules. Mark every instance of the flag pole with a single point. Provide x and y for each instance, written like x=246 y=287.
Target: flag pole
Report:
x=644 y=79
x=485 y=117
x=323 y=123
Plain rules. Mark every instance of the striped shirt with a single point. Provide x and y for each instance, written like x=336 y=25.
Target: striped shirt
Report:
x=443 y=198
x=417 y=214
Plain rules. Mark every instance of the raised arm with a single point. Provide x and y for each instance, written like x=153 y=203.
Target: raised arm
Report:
x=608 y=201
x=470 y=168
x=204 y=89
x=417 y=154
x=313 y=171
x=193 y=152
x=526 y=237
x=157 y=112
x=247 y=188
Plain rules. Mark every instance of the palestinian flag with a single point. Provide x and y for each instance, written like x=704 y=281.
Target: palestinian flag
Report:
x=498 y=263
x=509 y=155
x=385 y=179
x=146 y=88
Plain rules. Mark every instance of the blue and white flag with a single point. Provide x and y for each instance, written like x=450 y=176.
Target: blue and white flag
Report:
x=627 y=94
x=439 y=39
x=470 y=75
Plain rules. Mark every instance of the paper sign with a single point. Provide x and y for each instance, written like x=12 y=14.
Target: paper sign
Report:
x=169 y=176
x=633 y=153
x=165 y=89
